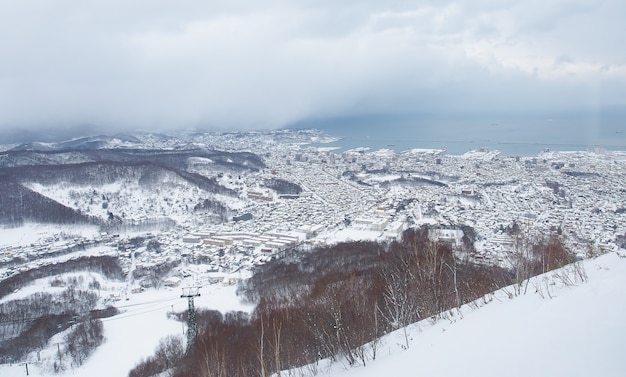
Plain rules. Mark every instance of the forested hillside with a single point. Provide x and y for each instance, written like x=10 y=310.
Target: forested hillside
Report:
x=98 y=186
x=336 y=302
x=19 y=204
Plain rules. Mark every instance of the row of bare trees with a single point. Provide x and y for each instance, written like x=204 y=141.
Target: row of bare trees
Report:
x=28 y=323
x=338 y=302
x=528 y=259
x=107 y=265
x=83 y=339
x=169 y=352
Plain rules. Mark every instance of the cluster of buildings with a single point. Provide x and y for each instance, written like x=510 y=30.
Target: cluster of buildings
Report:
x=364 y=194
x=575 y=195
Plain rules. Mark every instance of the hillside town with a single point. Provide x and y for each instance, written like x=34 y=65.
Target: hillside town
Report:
x=362 y=194
x=377 y=194
x=229 y=203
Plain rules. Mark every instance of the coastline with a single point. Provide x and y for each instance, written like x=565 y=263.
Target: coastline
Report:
x=341 y=144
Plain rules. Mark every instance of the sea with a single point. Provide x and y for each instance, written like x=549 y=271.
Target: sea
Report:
x=522 y=135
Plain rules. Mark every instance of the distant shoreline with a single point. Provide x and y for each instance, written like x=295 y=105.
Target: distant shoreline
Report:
x=459 y=147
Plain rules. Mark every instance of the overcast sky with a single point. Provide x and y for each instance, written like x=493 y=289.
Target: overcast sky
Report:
x=159 y=64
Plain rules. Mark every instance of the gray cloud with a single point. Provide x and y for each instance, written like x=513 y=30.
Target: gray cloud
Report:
x=251 y=64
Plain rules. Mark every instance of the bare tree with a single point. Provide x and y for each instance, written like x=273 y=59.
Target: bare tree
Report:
x=400 y=306
x=520 y=259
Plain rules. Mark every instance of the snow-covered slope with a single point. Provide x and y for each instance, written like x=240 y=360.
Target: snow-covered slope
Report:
x=129 y=198
x=580 y=331
x=553 y=330
x=133 y=334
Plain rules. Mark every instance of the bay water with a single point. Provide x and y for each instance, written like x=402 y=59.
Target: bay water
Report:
x=511 y=135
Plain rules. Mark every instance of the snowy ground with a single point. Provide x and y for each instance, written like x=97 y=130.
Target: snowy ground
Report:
x=581 y=331
x=350 y=234
x=135 y=333
x=553 y=330
x=34 y=233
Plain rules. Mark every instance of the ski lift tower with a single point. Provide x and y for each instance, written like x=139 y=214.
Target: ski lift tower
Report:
x=192 y=326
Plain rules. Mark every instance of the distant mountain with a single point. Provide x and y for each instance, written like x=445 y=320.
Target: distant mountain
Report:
x=83 y=143
x=108 y=172
x=177 y=159
x=18 y=136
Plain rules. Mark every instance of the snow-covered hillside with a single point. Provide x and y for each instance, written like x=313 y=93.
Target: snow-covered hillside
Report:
x=555 y=329
x=579 y=331
x=131 y=335
x=118 y=186
x=172 y=198
x=200 y=207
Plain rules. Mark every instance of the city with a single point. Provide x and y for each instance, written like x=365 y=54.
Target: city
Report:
x=357 y=194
